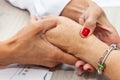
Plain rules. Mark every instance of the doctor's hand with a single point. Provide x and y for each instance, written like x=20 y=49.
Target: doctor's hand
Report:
x=66 y=36
x=75 y=10
x=29 y=47
x=93 y=20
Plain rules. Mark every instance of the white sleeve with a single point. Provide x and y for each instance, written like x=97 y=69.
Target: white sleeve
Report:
x=54 y=6
x=41 y=7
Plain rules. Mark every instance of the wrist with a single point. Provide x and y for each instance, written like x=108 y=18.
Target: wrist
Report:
x=92 y=50
x=7 y=52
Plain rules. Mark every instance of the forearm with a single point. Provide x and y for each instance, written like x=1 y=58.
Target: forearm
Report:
x=93 y=54
x=89 y=49
x=68 y=39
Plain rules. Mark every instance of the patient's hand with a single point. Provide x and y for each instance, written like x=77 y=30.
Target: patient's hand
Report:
x=63 y=37
x=65 y=34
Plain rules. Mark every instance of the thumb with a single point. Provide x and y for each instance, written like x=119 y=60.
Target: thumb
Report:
x=36 y=26
x=88 y=27
x=45 y=25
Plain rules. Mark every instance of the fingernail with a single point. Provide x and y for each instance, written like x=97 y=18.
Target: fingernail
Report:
x=80 y=66
x=88 y=69
x=85 y=32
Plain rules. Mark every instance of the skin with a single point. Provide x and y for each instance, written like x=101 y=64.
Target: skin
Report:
x=88 y=14
x=91 y=16
x=76 y=9
x=29 y=47
x=89 y=49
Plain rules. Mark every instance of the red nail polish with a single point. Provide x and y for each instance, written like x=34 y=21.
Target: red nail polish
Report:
x=85 y=32
x=88 y=69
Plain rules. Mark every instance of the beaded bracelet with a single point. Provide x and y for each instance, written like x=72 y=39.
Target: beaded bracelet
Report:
x=101 y=63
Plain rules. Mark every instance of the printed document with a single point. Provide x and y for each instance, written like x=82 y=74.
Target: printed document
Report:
x=25 y=72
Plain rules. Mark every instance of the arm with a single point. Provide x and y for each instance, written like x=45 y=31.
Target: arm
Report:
x=57 y=7
x=66 y=36
x=86 y=12
x=28 y=47
x=90 y=16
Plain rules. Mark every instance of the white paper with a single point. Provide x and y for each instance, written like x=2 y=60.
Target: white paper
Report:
x=108 y=3
x=24 y=72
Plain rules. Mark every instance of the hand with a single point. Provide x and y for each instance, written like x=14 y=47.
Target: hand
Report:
x=66 y=36
x=69 y=39
x=76 y=9
x=29 y=47
x=93 y=20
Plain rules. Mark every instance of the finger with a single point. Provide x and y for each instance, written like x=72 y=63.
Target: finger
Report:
x=42 y=25
x=34 y=18
x=57 y=55
x=81 y=20
x=43 y=17
x=50 y=17
x=29 y=27
x=46 y=24
x=88 y=67
x=104 y=27
x=66 y=58
x=110 y=34
x=80 y=71
x=88 y=27
x=38 y=26
x=80 y=64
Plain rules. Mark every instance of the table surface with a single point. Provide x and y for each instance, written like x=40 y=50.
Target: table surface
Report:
x=13 y=19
